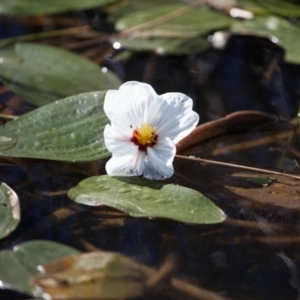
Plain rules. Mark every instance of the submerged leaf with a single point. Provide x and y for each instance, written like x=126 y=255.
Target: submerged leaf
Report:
x=68 y=130
x=42 y=74
x=96 y=275
x=140 y=197
x=19 y=264
x=283 y=192
x=263 y=181
x=33 y=7
x=9 y=210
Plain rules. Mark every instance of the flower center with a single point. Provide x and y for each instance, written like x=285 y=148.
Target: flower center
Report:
x=144 y=136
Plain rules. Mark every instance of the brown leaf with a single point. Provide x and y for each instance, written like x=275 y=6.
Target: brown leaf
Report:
x=96 y=275
x=283 y=191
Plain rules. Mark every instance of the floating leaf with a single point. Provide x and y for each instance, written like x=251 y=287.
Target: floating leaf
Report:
x=140 y=197
x=9 y=210
x=263 y=181
x=42 y=74
x=19 y=264
x=183 y=34
x=282 y=8
x=123 y=8
x=176 y=46
x=96 y=275
x=33 y=7
x=69 y=130
x=198 y=21
x=278 y=30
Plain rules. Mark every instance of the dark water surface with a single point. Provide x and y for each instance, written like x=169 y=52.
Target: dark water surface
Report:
x=255 y=253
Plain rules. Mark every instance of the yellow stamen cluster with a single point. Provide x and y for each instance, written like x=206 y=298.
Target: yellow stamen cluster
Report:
x=145 y=135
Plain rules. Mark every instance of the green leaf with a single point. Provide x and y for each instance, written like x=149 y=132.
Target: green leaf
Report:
x=69 y=130
x=198 y=21
x=140 y=197
x=282 y=8
x=95 y=275
x=185 y=34
x=19 y=264
x=263 y=181
x=286 y=32
x=123 y=8
x=9 y=210
x=166 y=46
x=33 y=7
x=42 y=74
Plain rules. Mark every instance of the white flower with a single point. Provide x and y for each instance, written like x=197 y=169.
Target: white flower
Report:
x=144 y=129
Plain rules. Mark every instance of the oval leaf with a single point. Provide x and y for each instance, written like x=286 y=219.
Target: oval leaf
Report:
x=198 y=21
x=181 y=34
x=123 y=8
x=96 y=275
x=19 y=264
x=140 y=197
x=69 y=130
x=42 y=74
x=284 y=8
x=29 y=7
x=9 y=210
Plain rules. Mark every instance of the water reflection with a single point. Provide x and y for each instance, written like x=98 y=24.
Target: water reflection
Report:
x=252 y=255
x=255 y=253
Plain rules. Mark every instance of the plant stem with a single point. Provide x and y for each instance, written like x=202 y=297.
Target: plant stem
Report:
x=220 y=163
x=45 y=35
x=170 y=16
x=8 y=117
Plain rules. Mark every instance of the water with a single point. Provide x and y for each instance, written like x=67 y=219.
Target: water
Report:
x=255 y=253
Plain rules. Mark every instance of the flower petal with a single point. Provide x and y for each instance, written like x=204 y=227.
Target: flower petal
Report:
x=159 y=160
x=172 y=115
x=126 y=165
x=133 y=105
x=116 y=108
x=117 y=143
x=130 y=102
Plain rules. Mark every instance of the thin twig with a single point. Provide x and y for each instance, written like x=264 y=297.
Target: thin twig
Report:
x=220 y=163
x=165 y=18
x=46 y=35
x=267 y=240
x=268 y=73
x=279 y=228
x=167 y=267
x=8 y=117
x=195 y=291
x=189 y=289
x=52 y=194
